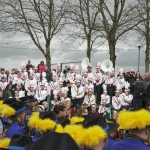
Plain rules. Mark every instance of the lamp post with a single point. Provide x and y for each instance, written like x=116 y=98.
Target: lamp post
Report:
x=139 y=58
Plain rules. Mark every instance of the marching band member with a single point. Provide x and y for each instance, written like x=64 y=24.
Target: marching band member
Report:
x=59 y=74
x=120 y=80
x=20 y=79
x=24 y=73
x=76 y=71
x=65 y=97
x=70 y=79
x=55 y=101
x=84 y=79
x=89 y=70
x=104 y=107
x=11 y=76
x=107 y=100
x=97 y=77
x=110 y=80
x=31 y=91
x=2 y=73
x=41 y=94
x=87 y=86
x=127 y=98
x=18 y=90
x=89 y=99
x=30 y=82
x=36 y=75
x=77 y=93
x=60 y=87
x=3 y=84
x=116 y=100
x=53 y=85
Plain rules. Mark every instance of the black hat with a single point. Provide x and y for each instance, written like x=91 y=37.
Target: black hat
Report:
x=31 y=98
x=113 y=126
x=9 y=101
x=24 y=99
x=19 y=106
x=12 y=107
x=54 y=141
x=18 y=142
x=49 y=114
x=97 y=120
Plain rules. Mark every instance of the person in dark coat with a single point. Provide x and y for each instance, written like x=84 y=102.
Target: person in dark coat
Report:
x=131 y=79
x=147 y=94
x=137 y=92
x=48 y=74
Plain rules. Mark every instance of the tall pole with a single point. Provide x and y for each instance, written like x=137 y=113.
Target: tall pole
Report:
x=139 y=58
x=147 y=35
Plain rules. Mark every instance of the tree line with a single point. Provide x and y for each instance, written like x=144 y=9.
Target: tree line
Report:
x=94 y=21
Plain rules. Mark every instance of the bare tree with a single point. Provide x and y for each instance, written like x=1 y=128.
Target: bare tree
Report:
x=143 y=29
x=34 y=18
x=83 y=16
x=118 y=18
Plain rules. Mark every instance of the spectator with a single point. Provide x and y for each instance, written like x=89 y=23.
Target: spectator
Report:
x=93 y=110
x=147 y=77
x=1 y=95
x=28 y=66
x=114 y=114
x=137 y=91
x=45 y=105
x=48 y=74
x=41 y=67
x=138 y=75
x=131 y=79
x=8 y=92
x=144 y=81
x=147 y=93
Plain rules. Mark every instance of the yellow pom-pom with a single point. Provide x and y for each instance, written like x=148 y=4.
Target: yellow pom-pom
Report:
x=59 y=129
x=4 y=143
x=93 y=136
x=76 y=132
x=7 y=111
x=75 y=120
x=39 y=124
x=133 y=119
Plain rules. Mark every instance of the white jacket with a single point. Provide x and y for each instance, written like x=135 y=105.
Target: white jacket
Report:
x=116 y=102
x=77 y=92
x=89 y=100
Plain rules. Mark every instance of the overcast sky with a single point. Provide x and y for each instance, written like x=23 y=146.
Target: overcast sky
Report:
x=11 y=58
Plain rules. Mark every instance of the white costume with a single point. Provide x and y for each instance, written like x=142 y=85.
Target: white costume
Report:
x=97 y=77
x=3 y=75
x=3 y=85
x=116 y=102
x=89 y=100
x=106 y=100
x=126 y=100
x=120 y=81
x=103 y=109
x=24 y=75
x=110 y=81
x=77 y=92
x=29 y=83
x=41 y=95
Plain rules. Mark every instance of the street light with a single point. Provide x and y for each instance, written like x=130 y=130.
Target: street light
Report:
x=139 y=58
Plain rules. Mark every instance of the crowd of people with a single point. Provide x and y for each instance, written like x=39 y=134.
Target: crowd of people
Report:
x=37 y=102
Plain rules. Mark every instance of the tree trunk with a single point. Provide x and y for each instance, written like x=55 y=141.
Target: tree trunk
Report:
x=147 y=58
x=89 y=49
x=112 y=54
x=48 y=57
x=147 y=39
